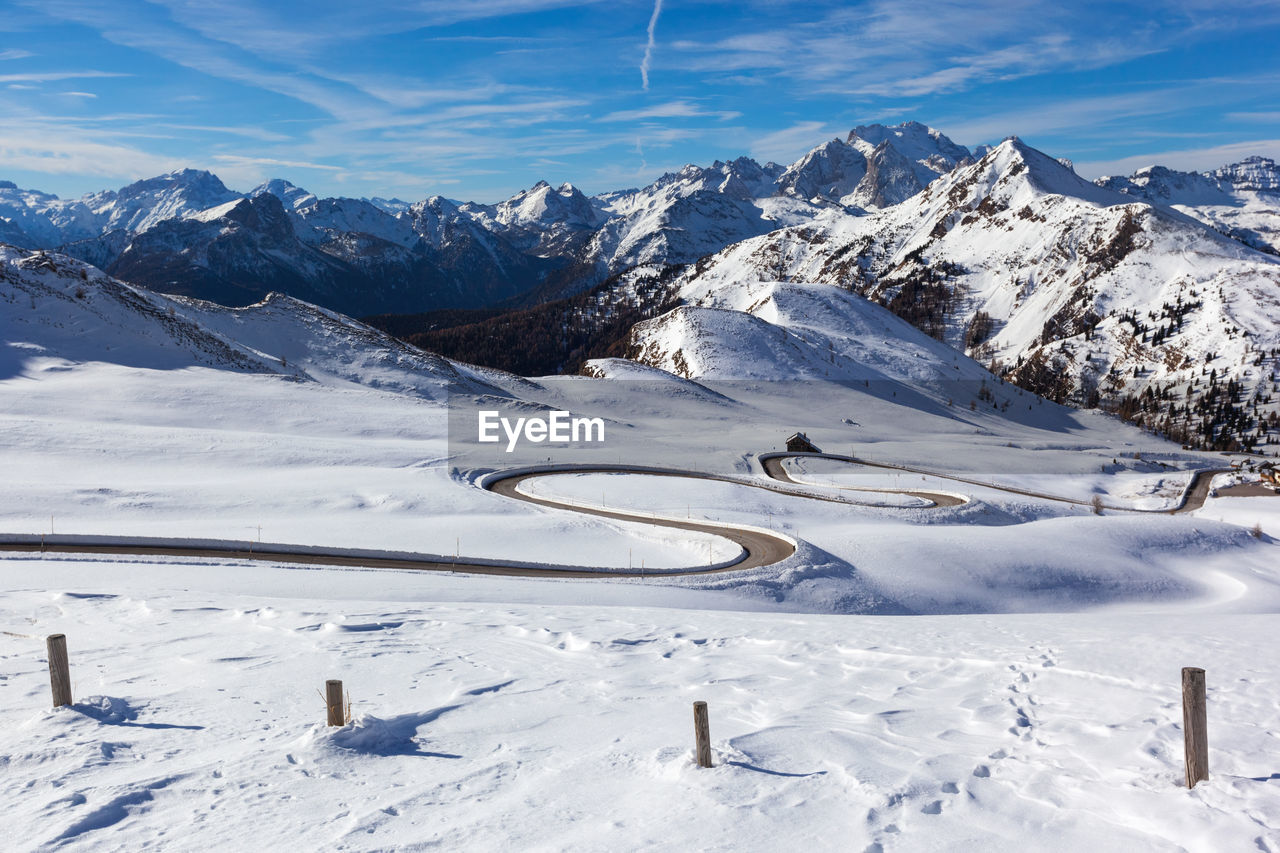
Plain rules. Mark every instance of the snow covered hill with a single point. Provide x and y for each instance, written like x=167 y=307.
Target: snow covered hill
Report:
x=62 y=313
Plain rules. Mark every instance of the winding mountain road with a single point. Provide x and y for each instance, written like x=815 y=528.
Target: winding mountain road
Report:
x=759 y=547
x=1192 y=498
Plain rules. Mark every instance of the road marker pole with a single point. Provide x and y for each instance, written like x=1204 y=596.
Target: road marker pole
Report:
x=59 y=670
x=702 y=733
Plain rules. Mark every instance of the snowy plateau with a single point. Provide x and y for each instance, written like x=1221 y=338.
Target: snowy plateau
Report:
x=961 y=625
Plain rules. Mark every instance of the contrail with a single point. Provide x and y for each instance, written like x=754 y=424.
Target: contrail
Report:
x=648 y=48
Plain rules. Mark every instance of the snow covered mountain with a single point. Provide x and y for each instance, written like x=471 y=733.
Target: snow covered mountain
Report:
x=545 y=242
x=1067 y=288
x=1242 y=200
x=875 y=166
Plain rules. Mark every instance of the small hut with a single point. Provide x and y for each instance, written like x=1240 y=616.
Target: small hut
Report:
x=800 y=443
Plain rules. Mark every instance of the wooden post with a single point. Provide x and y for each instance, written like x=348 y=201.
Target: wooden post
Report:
x=702 y=733
x=333 y=702
x=59 y=669
x=1195 y=731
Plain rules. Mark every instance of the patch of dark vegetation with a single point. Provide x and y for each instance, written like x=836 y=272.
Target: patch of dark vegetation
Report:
x=979 y=329
x=1044 y=375
x=1076 y=316
x=559 y=336
x=922 y=293
x=404 y=325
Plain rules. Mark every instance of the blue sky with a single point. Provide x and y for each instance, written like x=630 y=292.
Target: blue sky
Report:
x=475 y=99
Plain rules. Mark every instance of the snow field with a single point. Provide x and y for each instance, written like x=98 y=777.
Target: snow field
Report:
x=999 y=554
x=207 y=454
x=197 y=724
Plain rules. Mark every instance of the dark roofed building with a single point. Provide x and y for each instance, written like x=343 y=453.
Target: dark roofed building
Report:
x=800 y=443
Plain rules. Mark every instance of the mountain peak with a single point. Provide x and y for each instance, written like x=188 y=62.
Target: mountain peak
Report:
x=1015 y=173
x=200 y=179
x=1257 y=174
x=293 y=197
x=913 y=140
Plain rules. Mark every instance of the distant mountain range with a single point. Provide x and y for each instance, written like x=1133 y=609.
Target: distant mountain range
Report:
x=187 y=233
x=1153 y=294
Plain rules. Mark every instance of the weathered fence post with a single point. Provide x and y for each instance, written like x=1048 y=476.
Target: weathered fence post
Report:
x=702 y=733
x=333 y=702
x=1195 y=731
x=59 y=669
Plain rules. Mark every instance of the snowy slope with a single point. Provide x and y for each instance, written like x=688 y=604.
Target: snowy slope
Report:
x=1016 y=689
x=293 y=197
x=64 y=311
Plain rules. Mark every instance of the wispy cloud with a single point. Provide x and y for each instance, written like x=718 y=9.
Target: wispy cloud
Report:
x=908 y=48
x=79 y=94
x=55 y=76
x=15 y=53
x=62 y=149
x=1266 y=117
x=671 y=109
x=788 y=144
x=238 y=160
x=649 y=46
x=273 y=30
x=242 y=131
x=1099 y=115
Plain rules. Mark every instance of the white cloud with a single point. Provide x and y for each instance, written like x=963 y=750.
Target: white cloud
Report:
x=1263 y=117
x=62 y=150
x=246 y=132
x=648 y=48
x=671 y=109
x=784 y=146
x=54 y=76
x=906 y=48
x=1098 y=114
x=239 y=160
x=15 y=53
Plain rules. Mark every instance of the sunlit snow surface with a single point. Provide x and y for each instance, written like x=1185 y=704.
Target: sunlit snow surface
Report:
x=529 y=722
x=1001 y=673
